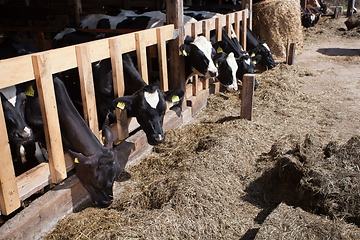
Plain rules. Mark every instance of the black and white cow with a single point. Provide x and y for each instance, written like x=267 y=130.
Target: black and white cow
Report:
x=13 y=98
x=198 y=53
x=127 y=20
x=259 y=48
x=150 y=120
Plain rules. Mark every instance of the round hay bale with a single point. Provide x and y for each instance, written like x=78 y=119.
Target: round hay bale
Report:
x=276 y=21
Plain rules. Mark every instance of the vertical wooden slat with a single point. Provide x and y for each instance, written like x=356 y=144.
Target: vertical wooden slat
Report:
x=218 y=29
x=161 y=46
x=206 y=30
x=141 y=55
x=247 y=96
x=228 y=24
x=9 y=198
x=244 y=29
x=119 y=86
x=87 y=87
x=238 y=17
x=45 y=87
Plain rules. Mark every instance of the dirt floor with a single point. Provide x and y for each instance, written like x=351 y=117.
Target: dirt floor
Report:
x=210 y=179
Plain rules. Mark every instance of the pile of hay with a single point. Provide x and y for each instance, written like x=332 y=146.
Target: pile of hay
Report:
x=322 y=180
x=207 y=180
x=286 y=222
x=276 y=21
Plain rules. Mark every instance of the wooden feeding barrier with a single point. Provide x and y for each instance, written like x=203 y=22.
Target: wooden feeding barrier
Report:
x=41 y=66
x=198 y=92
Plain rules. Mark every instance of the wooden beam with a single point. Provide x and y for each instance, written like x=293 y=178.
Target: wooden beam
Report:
x=9 y=194
x=247 y=96
x=163 y=72
x=119 y=86
x=175 y=15
x=87 y=88
x=244 y=30
x=45 y=87
x=141 y=55
x=291 y=57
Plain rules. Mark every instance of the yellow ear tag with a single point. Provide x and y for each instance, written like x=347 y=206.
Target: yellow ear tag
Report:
x=103 y=139
x=76 y=160
x=121 y=105
x=175 y=98
x=219 y=49
x=184 y=53
x=217 y=65
x=254 y=62
x=252 y=55
x=30 y=92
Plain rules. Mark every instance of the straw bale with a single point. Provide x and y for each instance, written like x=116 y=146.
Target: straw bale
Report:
x=276 y=21
x=287 y=222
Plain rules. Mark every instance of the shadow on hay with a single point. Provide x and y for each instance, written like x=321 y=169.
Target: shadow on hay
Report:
x=302 y=173
x=339 y=51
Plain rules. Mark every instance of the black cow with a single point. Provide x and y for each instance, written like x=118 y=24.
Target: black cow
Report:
x=21 y=137
x=96 y=165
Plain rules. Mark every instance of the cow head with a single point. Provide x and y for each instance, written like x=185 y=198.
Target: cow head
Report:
x=18 y=130
x=266 y=57
x=247 y=64
x=227 y=67
x=200 y=52
x=148 y=106
x=98 y=172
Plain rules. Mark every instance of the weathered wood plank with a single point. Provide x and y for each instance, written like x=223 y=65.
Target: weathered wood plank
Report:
x=87 y=88
x=163 y=72
x=45 y=87
x=244 y=29
x=247 y=96
x=9 y=198
x=141 y=56
x=119 y=86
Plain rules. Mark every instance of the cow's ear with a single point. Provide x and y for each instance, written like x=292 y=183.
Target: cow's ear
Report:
x=185 y=49
x=220 y=46
x=188 y=40
x=107 y=137
x=81 y=159
x=174 y=95
x=123 y=103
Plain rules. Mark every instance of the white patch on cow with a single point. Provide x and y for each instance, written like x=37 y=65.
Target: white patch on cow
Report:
x=22 y=154
x=10 y=94
x=231 y=61
x=90 y=21
x=27 y=130
x=205 y=46
x=152 y=98
x=247 y=61
x=61 y=34
x=266 y=46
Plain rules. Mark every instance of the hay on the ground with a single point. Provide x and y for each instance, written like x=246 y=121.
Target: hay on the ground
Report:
x=287 y=222
x=276 y=21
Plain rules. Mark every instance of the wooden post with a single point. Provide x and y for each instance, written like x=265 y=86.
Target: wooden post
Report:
x=87 y=88
x=336 y=13
x=237 y=24
x=247 y=96
x=9 y=198
x=291 y=56
x=77 y=11
x=141 y=55
x=287 y=51
x=350 y=8
x=45 y=87
x=244 y=29
x=119 y=86
x=175 y=15
x=161 y=46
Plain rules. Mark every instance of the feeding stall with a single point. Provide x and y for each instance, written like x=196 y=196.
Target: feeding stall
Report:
x=43 y=214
